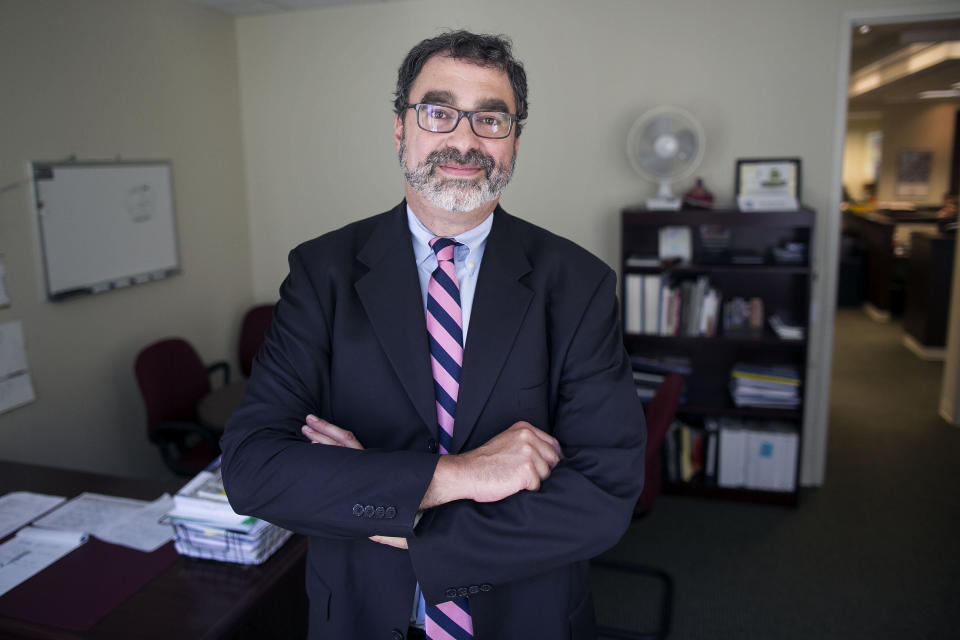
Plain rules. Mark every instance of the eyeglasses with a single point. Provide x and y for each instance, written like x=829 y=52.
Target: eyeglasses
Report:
x=440 y=119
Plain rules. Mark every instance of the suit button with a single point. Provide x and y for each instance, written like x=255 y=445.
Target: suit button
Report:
x=368 y=511
x=390 y=513
x=378 y=512
x=462 y=591
x=396 y=634
x=486 y=587
x=450 y=593
x=358 y=510
x=432 y=445
x=474 y=589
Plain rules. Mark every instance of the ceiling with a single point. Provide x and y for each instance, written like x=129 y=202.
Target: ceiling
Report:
x=259 y=7
x=893 y=63
x=884 y=55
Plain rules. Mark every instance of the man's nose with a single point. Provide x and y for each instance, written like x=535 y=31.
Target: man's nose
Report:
x=462 y=137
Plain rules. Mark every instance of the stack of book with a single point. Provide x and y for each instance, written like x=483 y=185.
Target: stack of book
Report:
x=772 y=387
x=757 y=454
x=648 y=373
x=654 y=306
x=205 y=526
x=690 y=452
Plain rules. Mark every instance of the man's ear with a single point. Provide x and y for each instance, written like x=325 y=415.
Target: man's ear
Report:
x=397 y=130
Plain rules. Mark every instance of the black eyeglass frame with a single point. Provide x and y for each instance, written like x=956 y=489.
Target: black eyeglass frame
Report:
x=460 y=116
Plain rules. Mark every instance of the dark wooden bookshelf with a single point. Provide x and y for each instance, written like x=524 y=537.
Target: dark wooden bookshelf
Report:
x=783 y=287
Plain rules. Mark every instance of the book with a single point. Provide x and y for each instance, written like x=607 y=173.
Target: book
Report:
x=632 y=287
x=651 y=304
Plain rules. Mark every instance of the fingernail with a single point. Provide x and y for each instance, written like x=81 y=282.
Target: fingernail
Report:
x=312 y=418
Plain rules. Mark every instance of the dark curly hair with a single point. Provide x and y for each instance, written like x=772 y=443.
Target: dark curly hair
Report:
x=480 y=49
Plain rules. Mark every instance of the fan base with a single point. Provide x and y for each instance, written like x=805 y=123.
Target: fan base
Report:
x=663 y=204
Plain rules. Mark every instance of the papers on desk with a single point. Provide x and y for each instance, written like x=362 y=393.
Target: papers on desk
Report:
x=124 y=521
x=23 y=507
x=207 y=527
x=31 y=551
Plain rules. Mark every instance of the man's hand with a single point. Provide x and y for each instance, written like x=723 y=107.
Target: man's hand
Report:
x=518 y=459
x=322 y=432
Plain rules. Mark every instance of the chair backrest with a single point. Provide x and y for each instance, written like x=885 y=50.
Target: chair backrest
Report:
x=172 y=380
x=659 y=414
x=252 y=331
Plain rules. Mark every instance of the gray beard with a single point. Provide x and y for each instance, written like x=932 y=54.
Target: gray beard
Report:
x=452 y=194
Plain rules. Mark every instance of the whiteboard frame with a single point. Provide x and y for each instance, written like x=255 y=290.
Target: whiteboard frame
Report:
x=39 y=167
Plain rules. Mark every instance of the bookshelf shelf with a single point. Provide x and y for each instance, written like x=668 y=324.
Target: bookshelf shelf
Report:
x=750 y=269
x=719 y=241
x=767 y=340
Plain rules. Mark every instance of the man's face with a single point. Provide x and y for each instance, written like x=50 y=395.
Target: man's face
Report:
x=457 y=171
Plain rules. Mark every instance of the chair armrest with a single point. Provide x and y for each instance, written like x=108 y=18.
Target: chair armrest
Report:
x=166 y=431
x=220 y=364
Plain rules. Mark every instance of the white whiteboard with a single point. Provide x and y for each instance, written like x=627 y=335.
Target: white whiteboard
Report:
x=104 y=225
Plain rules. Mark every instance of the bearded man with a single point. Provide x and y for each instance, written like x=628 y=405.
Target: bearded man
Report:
x=450 y=487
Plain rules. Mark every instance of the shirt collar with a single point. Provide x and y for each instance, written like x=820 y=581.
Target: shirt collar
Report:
x=471 y=239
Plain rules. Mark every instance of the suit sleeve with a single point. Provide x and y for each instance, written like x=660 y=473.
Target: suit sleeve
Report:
x=585 y=505
x=271 y=471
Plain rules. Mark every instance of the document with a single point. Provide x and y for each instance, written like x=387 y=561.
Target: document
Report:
x=23 y=507
x=31 y=551
x=4 y=298
x=124 y=521
x=13 y=355
x=16 y=391
x=16 y=388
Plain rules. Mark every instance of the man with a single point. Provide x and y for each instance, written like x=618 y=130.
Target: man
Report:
x=443 y=402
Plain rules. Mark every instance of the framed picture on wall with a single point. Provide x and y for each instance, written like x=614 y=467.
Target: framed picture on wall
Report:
x=913 y=173
x=768 y=183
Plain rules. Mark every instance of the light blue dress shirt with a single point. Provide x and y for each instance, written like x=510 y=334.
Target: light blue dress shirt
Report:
x=466 y=260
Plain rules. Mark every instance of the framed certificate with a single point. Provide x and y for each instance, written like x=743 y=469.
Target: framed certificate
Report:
x=768 y=177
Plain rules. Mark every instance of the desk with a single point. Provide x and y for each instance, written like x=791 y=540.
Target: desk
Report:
x=929 y=278
x=193 y=598
x=877 y=231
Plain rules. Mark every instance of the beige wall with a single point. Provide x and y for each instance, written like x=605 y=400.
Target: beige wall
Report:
x=158 y=79
x=913 y=127
x=760 y=75
x=141 y=80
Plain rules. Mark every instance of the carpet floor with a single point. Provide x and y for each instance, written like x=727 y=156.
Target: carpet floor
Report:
x=870 y=554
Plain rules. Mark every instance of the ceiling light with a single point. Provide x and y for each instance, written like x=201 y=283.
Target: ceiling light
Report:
x=864 y=29
x=939 y=93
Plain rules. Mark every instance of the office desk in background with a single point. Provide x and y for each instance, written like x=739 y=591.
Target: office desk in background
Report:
x=878 y=232
x=191 y=598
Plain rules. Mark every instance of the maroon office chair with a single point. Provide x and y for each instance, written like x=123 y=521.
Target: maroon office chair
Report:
x=253 y=328
x=659 y=414
x=172 y=380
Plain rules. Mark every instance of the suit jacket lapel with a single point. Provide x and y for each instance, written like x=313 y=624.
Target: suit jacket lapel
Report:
x=390 y=294
x=500 y=303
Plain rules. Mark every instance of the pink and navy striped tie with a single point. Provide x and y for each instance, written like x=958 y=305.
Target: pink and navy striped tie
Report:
x=447 y=620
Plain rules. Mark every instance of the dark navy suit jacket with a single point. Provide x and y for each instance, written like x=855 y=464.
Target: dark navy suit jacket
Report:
x=349 y=344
